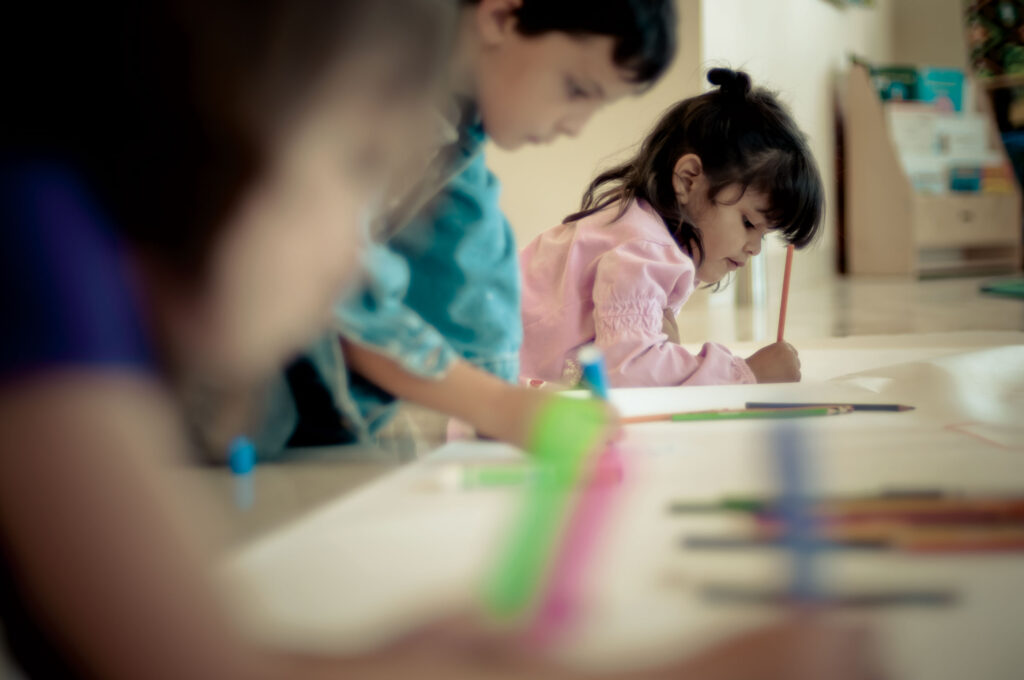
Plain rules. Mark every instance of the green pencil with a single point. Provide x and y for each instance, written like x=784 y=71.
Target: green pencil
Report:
x=743 y=414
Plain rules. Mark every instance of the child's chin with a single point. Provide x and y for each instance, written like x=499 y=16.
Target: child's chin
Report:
x=710 y=277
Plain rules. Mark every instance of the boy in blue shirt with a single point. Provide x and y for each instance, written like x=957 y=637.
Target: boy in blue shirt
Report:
x=438 y=321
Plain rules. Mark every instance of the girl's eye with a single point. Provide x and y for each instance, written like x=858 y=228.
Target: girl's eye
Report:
x=748 y=224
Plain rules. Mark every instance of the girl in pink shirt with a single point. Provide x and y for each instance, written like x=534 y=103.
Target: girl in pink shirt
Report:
x=717 y=174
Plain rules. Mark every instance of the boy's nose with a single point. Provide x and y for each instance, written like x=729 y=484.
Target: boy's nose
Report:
x=572 y=124
x=570 y=127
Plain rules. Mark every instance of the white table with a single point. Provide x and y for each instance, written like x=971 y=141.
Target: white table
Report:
x=402 y=550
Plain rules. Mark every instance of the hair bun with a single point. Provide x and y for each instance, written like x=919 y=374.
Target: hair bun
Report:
x=730 y=83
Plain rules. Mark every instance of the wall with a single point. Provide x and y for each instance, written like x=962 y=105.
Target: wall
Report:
x=929 y=32
x=797 y=48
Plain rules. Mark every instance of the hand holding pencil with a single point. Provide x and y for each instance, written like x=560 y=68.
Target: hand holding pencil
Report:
x=776 y=363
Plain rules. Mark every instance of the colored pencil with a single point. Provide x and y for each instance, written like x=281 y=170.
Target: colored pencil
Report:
x=488 y=476
x=908 y=538
x=887 y=506
x=855 y=407
x=888 y=597
x=740 y=414
x=785 y=292
x=744 y=542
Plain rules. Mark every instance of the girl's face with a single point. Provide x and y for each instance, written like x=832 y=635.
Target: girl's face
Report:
x=532 y=89
x=732 y=227
x=292 y=246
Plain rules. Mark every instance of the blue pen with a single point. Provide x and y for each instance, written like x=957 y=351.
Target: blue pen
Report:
x=796 y=513
x=242 y=460
x=592 y=362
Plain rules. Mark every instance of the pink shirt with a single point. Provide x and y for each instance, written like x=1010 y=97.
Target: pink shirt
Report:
x=618 y=284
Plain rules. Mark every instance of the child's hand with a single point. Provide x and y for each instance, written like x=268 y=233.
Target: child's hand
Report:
x=775 y=363
x=512 y=418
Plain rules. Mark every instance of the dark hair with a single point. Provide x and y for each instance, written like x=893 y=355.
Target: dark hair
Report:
x=644 y=30
x=742 y=136
x=166 y=109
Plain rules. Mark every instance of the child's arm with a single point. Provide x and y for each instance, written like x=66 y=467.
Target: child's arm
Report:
x=98 y=539
x=632 y=287
x=495 y=408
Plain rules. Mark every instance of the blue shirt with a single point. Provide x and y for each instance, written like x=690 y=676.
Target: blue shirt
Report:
x=464 y=272
x=445 y=286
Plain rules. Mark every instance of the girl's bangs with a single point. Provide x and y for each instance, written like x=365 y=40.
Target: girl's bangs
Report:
x=796 y=201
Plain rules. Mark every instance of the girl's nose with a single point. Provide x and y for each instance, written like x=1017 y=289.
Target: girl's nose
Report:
x=754 y=245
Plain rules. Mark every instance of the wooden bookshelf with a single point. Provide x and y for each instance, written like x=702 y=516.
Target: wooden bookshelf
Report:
x=892 y=229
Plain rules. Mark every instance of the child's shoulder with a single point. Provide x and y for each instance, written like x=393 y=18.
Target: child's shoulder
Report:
x=634 y=225
x=634 y=220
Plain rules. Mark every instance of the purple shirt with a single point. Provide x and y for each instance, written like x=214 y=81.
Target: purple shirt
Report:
x=618 y=283
x=68 y=293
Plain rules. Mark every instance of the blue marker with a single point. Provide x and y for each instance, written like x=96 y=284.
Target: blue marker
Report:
x=796 y=511
x=242 y=460
x=594 y=374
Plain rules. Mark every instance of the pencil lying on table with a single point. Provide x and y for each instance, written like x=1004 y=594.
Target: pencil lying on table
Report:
x=953 y=538
x=855 y=407
x=742 y=414
x=853 y=509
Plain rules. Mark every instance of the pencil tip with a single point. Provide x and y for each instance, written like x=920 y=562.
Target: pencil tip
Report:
x=906 y=408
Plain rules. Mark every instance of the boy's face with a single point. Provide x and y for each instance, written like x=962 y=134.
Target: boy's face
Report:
x=530 y=90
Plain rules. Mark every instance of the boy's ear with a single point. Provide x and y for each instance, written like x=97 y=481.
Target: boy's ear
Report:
x=495 y=20
x=685 y=175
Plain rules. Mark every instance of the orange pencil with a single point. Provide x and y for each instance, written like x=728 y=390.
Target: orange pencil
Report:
x=785 y=292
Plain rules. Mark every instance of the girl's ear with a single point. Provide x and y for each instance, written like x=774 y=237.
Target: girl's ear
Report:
x=685 y=175
x=495 y=20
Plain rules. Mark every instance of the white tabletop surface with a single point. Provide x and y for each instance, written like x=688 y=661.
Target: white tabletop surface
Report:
x=402 y=548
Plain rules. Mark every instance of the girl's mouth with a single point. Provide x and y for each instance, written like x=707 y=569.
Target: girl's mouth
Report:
x=733 y=264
